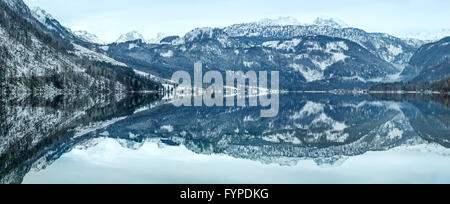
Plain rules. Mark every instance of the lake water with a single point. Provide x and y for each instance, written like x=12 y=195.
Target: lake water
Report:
x=316 y=138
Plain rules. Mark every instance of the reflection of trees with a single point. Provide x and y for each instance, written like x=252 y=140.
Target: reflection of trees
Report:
x=430 y=117
x=441 y=99
x=30 y=126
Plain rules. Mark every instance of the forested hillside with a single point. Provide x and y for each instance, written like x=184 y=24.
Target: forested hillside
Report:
x=32 y=61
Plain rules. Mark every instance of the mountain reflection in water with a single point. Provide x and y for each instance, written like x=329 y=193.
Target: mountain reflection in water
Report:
x=325 y=129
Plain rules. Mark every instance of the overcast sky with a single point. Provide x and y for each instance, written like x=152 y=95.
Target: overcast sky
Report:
x=110 y=18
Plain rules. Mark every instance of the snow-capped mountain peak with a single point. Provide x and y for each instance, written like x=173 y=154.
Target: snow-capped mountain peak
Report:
x=131 y=36
x=291 y=21
x=89 y=37
x=331 y=22
x=281 y=21
x=157 y=39
x=41 y=15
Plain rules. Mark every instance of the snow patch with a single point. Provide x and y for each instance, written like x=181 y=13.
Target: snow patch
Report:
x=167 y=128
x=271 y=44
x=286 y=45
x=141 y=73
x=309 y=109
x=104 y=48
x=132 y=45
x=309 y=74
x=167 y=54
x=395 y=51
x=286 y=137
x=250 y=64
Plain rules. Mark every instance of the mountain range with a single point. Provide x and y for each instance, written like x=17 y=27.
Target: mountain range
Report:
x=324 y=55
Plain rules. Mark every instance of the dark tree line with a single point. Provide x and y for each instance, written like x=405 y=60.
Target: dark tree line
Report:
x=442 y=86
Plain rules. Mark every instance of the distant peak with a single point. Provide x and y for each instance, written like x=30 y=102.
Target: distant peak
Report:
x=291 y=21
x=131 y=36
x=332 y=22
x=157 y=39
x=427 y=36
x=281 y=21
x=89 y=37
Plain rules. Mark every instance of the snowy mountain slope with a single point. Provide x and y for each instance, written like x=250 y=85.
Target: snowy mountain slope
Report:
x=303 y=62
x=278 y=45
x=60 y=33
x=161 y=56
x=430 y=63
x=51 y=26
x=95 y=56
x=86 y=45
x=345 y=60
x=81 y=43
x=386 y=47
x=88 y=37
x=33 y=60
x=270 y=44
x=45 y=18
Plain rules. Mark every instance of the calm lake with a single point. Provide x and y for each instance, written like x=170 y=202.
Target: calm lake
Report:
x=316 y=138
